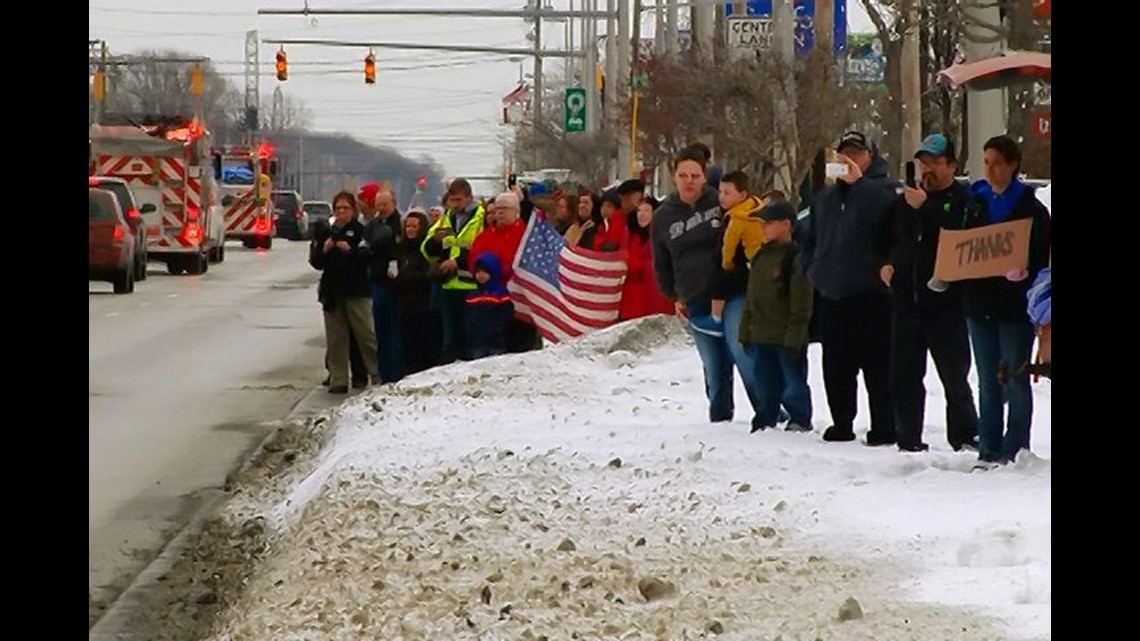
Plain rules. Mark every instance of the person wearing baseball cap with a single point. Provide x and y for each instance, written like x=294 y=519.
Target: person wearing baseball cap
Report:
x=924 y=320
x=777 y=313
x=844 y=248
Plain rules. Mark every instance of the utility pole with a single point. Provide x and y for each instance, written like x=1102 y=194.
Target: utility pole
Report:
x=622 y=85
x=911 y=83
x=635 y=86
x=590 y=73
x=985 y=110
x=785 y=135
x=538 y=87
x=252 y=87
x=610 y=93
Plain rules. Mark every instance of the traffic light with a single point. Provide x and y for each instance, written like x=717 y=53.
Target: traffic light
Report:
x=370 y=69
x=282 y=66
x=99 y=85
x=196 y=80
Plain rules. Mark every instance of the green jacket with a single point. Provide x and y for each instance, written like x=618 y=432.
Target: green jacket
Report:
x=454 y=246
x=777 y=310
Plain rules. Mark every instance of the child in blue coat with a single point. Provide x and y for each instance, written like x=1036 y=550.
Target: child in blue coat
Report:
x=489 y=309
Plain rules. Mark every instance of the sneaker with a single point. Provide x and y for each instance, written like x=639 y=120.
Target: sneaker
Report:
x=837 y=434
x=761 y=428
x=796 y=427
x=707 y=325
x=877 y=440
x=968 y=446
x=985 y=466
x=916 y=447
x=338 y=389
x=325 y=383
x=360 y=383
x=783 y=417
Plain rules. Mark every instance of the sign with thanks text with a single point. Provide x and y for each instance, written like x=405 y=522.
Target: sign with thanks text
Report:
x=993 y=250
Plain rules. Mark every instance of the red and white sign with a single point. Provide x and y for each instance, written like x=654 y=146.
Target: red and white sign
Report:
x=1042 y=124
x=1043 y=8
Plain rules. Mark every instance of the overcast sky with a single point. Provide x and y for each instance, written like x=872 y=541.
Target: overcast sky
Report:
x=445 y=106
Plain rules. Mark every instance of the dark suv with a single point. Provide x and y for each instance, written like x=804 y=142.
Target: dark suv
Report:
x=131 y=212
x=291 y=220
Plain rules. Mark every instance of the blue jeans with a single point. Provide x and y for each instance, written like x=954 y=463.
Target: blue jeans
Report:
x=783 y=381
x=389 y=347
x=995 y=343
x=719 y=355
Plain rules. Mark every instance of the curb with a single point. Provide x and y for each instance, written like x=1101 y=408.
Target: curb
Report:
x=110 y=626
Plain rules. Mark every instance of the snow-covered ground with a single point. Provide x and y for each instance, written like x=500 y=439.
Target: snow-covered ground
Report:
x=485 y=501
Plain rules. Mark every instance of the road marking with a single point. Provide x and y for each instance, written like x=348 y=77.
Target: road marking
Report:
x=111 y=314
x=171 y=295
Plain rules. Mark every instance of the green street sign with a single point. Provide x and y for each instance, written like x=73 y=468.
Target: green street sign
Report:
x=574 y=107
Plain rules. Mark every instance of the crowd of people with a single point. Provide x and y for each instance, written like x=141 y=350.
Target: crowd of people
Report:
x=753 y=281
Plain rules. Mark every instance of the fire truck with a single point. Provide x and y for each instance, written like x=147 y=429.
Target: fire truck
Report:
x=245 y=174
x=164 y=159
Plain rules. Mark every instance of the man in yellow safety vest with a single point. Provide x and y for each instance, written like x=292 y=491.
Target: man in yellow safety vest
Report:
x=447 y=246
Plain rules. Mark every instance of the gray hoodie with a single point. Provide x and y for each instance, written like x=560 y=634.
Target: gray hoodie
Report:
x=686 y=247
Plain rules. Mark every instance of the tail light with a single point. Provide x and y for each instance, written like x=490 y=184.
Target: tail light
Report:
x=119 y=232
x=132 y=214
x=192 y=213
x=262 y=226
x=192 y=232
x=92 y=182
x=297 y=214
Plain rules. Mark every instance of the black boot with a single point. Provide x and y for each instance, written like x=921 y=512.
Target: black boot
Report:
x=839 y=434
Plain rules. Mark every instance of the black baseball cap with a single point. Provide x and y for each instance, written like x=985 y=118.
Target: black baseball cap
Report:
x=778 y=209
x=852 y=139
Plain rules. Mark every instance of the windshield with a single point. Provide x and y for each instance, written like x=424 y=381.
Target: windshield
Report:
x=318 y=209
x=285 y=200
x=99 y=206
x=121 y=191
x=237 y=172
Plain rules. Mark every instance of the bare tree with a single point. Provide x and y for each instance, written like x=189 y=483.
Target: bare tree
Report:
x=736 y=102
x=586 y=155
x=290 y=114
x=146 y=83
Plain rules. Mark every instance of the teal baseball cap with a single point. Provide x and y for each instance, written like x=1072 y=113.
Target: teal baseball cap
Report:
x=936 y=145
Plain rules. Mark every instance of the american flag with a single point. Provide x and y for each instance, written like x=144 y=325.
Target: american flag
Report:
x=565 y=291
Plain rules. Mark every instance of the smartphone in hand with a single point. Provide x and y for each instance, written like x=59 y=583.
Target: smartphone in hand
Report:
x=911 y=175
x=835 y=170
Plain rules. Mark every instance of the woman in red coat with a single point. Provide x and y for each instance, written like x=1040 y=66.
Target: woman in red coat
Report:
x=640 y=295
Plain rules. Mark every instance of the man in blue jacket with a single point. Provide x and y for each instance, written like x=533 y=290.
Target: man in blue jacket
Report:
x=845 y=248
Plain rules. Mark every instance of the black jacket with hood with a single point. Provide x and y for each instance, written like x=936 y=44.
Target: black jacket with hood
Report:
x=848 y=234
x=383 y=236
x=686 y=248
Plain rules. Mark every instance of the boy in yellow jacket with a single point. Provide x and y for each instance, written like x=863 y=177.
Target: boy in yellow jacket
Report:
x=743 y=229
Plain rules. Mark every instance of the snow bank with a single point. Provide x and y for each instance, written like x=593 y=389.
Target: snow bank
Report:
x=547 y=494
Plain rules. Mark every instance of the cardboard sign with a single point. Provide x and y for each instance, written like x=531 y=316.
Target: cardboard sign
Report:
x=993 y=250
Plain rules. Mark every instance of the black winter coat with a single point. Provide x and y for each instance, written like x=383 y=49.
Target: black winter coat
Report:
x=344 y=274
x=848 y=234
x=914 y=248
